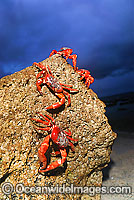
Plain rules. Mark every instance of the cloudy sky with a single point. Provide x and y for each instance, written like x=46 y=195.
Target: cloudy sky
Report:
x=101 y=32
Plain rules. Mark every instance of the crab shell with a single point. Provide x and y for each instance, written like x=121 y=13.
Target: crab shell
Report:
x=59 y=137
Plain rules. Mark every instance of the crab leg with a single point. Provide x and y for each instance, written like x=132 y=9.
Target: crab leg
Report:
x=52 y=53
x=41 y=121
x=70 y=138
x=40 y=65
x=40 y=73
x=42 y=150
x=44 y=116
x=71 y=89
x=91 y=79
x=69 y=99
x=85 y=74
x=74 y=57
x=82 y=77
x=58 y=104
x=51 y=118
x=68 y=133
x=38 y=83
x=87 y=82
x=47 y=118
x=56 y=163
x=49 y=69
x=72 y=146
x=37 y=64
x=55 y=153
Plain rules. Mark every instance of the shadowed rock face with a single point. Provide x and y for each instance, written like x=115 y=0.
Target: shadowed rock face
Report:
x=20 y=100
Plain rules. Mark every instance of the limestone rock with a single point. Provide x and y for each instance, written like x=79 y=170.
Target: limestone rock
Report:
x=20 y=100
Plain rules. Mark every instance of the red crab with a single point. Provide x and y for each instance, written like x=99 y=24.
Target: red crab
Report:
x=59 y=137
x=85 y=74
x=45 y=77
x=66 y=52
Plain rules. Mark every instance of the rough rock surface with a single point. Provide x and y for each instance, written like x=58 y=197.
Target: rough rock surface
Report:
x=19 y=101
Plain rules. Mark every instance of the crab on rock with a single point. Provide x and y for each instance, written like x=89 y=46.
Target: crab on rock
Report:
x=66 y=52
x=45 y=77
x=85 y=74
x=59 y=137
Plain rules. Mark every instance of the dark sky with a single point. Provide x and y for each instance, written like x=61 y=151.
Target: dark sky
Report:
x=101 y=32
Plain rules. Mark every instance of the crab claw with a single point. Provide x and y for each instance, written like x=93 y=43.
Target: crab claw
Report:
x=55 y=164
x=41 y=152
x=58 y=104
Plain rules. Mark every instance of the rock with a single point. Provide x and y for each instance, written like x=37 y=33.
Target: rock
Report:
x=20 y=100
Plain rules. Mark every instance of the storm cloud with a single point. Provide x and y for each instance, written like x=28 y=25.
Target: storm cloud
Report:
x=100 y=32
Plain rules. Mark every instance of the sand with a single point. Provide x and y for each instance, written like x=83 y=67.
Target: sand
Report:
x=120 y=171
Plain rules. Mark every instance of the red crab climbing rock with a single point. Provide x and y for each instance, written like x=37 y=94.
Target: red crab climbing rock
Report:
x=45 y=77
x=59 y=137
x=85 y=74
x=66 y=52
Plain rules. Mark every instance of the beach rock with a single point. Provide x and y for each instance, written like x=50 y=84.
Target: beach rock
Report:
x=85 y=118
